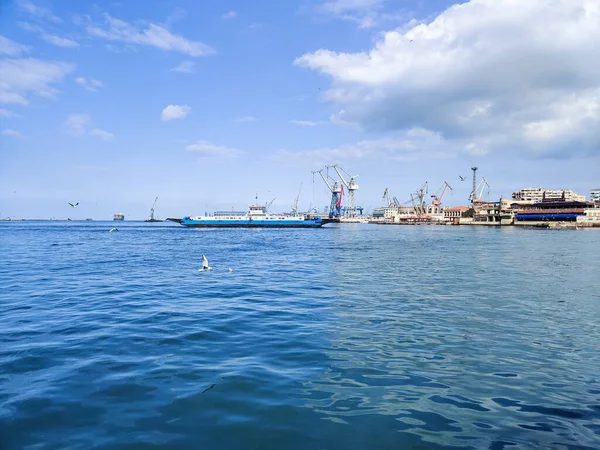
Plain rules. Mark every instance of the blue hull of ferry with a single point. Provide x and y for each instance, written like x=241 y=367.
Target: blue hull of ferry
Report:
x=253 y=223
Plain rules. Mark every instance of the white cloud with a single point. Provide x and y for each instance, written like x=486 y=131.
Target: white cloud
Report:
x=229 y=15
x=77 y=123
x=206 y=149
x=5 y=113
x=59 y=41
x=11 y=133
x=23 y=76
x=89 y=83
x=409 y=147
x=366 y=13
x=184 y=67
x=306 y=123
x=151 y=35
x=174 y=112
x=498 y=74
x=11 y=48
x=38 y=12
x=243 y=119
x=105 y=135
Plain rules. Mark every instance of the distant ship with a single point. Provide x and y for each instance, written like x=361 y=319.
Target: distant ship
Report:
x=119 y=216
x=152 y=218
x=256 y=217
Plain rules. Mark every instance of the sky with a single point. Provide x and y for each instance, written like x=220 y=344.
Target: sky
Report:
x=210 y=104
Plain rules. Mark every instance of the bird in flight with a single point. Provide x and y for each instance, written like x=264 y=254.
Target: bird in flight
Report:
x=462 y=178
x=73 y=205
x=205 y=265
x=113 y=229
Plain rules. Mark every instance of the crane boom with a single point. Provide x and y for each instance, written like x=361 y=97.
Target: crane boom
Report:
x=320 y=172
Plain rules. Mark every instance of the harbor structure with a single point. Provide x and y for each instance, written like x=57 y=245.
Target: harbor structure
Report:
x=537 y=195
x=595 y=195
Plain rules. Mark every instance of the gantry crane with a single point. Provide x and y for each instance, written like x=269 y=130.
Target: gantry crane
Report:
x=437 y=197
x=351 y=186
x=336 y=193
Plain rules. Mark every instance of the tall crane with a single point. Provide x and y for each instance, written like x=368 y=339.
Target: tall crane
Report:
x=391 y=201
x=268 y=205
x=437 y=197
x=336 y=193
x=351 y=186
x=472 y=197
x=152 y=218
x=482 y=184
x=419 y=195
x=295 y=204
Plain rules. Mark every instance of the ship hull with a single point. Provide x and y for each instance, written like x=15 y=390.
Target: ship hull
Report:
x=268 y=223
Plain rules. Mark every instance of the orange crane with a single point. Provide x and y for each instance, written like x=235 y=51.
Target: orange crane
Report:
x=437 y=197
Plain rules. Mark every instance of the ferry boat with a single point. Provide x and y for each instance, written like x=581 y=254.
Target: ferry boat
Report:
x=256 y=217
x=119 y=216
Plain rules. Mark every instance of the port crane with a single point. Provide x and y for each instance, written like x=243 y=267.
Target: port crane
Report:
x=437 y=197
x=391 y=201
x=351 y=186
x=295 y=204
x=268 y=205
x=152 y=218
x=419 y=195
x=336 y=193
x=482 y=184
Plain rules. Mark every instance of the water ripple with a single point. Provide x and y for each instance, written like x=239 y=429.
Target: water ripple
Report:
x=350 y=337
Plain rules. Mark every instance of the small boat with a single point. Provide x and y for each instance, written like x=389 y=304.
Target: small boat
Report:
x=119 y=216
x=152 y=218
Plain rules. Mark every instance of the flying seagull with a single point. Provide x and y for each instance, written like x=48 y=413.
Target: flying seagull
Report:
x=462 y=178
x=205 y=266
x=73 y=205
x=113 y=229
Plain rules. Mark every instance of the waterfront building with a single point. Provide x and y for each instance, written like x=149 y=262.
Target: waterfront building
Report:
x=558 y=211
x=454 y=212
x=537 y=195
x=595 y=195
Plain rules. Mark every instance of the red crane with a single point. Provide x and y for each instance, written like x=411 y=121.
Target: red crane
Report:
x=437 y=197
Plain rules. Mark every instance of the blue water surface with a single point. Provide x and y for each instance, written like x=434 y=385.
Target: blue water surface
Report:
x=352 y=336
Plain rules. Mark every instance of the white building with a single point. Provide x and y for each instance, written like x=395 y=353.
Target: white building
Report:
x=536 y=195
x=595 y=195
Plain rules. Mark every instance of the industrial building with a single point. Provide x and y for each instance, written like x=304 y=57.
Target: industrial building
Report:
x=537 y=195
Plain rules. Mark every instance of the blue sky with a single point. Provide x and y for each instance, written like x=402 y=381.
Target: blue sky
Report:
x=205 y=104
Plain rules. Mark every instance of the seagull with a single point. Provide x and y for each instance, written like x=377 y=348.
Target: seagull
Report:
x=113 y=229
x=205 y=266
x=230 y=270
x=73 y=205
x=462 y=178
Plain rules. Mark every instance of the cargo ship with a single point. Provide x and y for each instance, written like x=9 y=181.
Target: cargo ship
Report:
x=119 y=216
x=256 y=217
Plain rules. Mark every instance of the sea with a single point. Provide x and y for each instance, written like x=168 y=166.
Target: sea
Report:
x=351 y=336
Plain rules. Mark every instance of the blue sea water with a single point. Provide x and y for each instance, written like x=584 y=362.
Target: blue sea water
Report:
x=346 y=337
